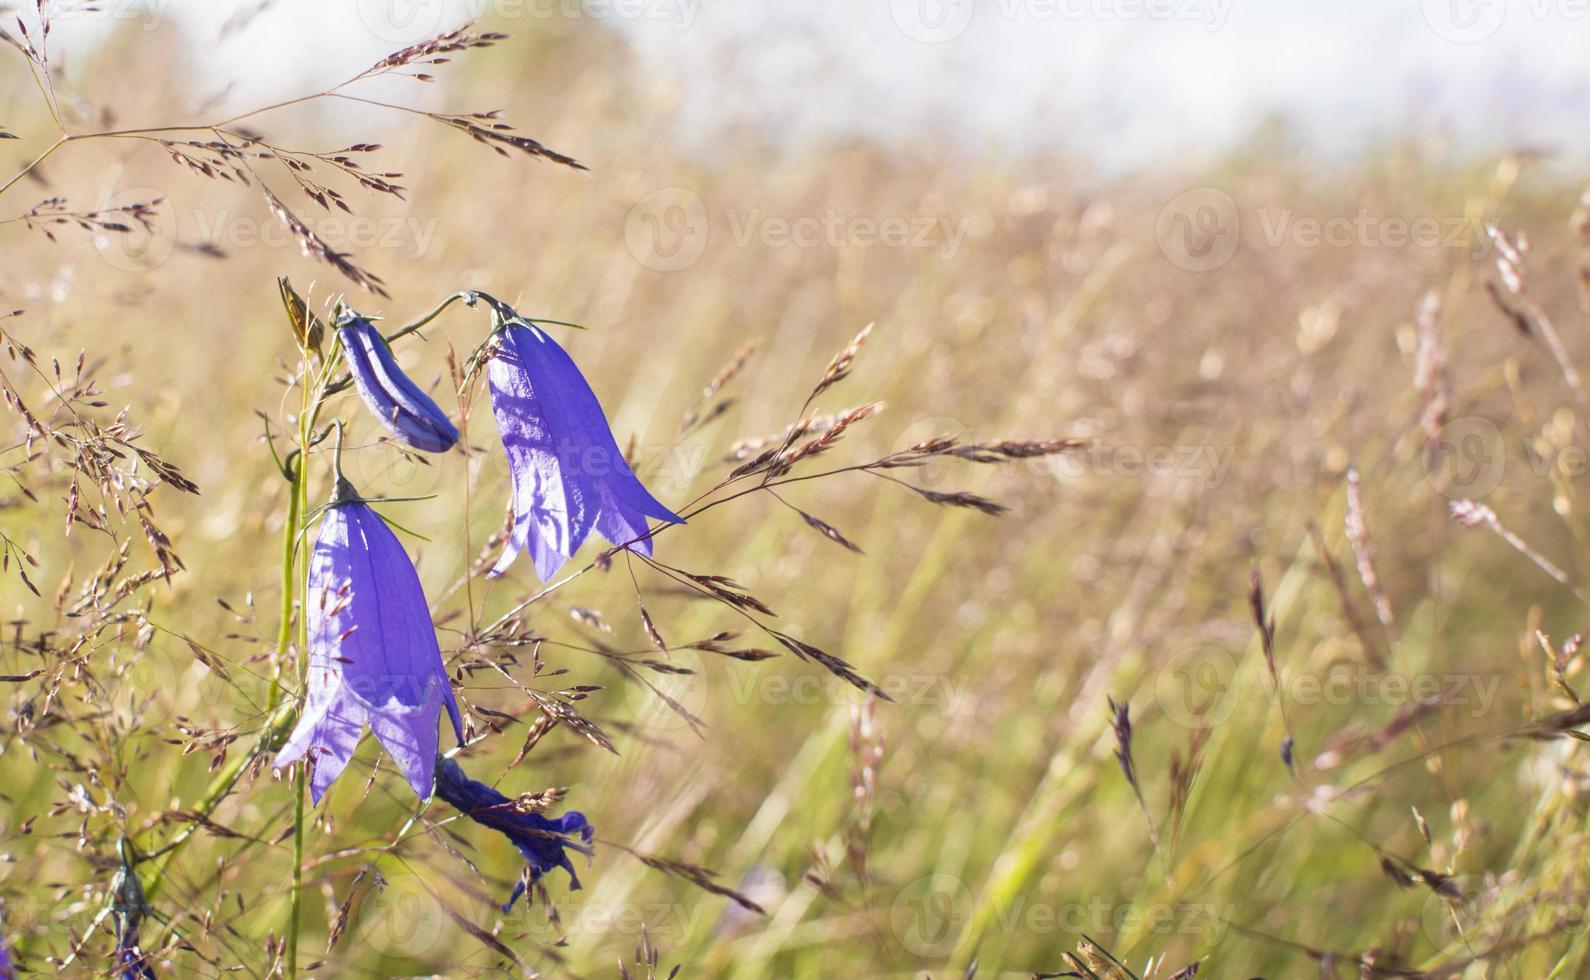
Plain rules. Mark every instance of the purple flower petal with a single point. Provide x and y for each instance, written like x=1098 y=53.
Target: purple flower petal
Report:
x=373 y=656
x=569 y=477
x=406 y=411
x=130 y=959
x=328 y=738
x=543 y=841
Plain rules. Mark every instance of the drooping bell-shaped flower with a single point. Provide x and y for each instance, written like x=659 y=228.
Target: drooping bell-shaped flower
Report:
x=569 y=477
x=544 y=842
x=373 y=656
x=412 y=417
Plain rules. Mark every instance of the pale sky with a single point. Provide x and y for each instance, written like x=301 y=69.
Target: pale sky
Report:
x=1127 y=83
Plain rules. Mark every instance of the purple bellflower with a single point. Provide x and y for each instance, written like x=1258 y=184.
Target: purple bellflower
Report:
x=543 y=842
x=569 y=477
x=373 y=656
x=406 y=411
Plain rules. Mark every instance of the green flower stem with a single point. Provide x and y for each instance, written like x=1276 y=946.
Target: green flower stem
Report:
x=270 y=739
x=283 y=712
x=467 y=295
x=284 y=632
x=290 y=578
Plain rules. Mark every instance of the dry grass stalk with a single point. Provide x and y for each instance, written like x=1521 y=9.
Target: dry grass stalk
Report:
x=1430 y=378
x=1357 y=528
x=1338 y=579
x=1264 y=622
x=231 y=153
x=1121 y=727
x=1511 y=296
x=1471 y=513
x=866 y=753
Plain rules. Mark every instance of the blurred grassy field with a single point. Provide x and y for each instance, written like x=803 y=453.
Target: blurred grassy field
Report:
x=1226 y=405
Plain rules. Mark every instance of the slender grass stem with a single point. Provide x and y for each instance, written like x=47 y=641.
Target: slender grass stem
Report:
x=298 y=873
x=220 y=787
x=284 y=633
x=291 y=575
x=36 y=161
x=282 y=713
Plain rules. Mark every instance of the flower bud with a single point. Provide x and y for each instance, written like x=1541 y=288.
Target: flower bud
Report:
x=406 y=411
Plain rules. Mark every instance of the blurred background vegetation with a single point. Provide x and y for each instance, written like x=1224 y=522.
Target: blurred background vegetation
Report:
x=1223 y=402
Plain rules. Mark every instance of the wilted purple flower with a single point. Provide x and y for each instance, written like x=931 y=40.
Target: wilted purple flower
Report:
x=406 y=411
x=129 y=911
x=131 y=963
x=373 y=655
x=540 y=840
x=8 y=970
x=568 y=474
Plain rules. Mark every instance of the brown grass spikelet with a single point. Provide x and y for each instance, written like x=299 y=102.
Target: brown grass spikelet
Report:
x=839 y=368
x=1356 y=525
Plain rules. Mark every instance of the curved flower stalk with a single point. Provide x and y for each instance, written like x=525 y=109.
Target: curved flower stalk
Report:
x=411 y=415
x=569 y=477
x=543 y=842
x=373 y=656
